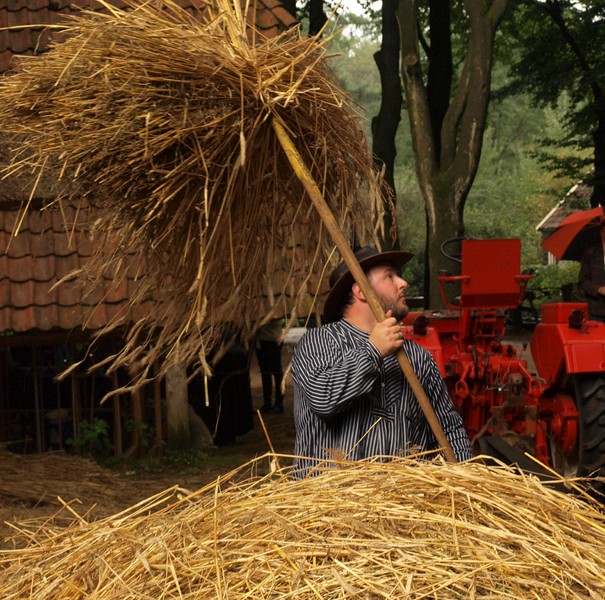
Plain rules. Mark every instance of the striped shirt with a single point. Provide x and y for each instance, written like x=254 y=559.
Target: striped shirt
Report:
x=351 y=403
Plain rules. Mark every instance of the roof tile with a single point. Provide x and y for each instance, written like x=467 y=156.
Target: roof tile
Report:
x=41 y=245
x=45 y=250
x=20 y=295
x=9 y=222
x=30 y=267
x=577 y=198
x=28 y=18
x=45 y=294
x=31 y=5
x=63 y=244
x=45 y=317
x=84 y=244
x=43 y=267
x=20 y=269
x=26 y=317
x=67 y=316
x=5 y=289
x=116 y=291
x=6 y=59
x=17 y=245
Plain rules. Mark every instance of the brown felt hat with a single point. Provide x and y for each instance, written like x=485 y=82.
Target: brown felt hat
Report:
x=341 y=279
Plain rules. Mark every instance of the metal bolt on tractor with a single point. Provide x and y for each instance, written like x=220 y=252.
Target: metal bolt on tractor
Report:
x=557 y=414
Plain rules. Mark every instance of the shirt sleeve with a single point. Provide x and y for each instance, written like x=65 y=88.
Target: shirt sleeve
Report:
x=331 y=377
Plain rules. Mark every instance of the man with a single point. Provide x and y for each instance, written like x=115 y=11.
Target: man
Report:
x=591 y=279
x=351 y=399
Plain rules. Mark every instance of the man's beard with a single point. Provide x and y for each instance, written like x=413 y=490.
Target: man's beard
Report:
x=399 y=311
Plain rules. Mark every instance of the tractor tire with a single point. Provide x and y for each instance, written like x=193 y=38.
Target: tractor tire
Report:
x=590 y=401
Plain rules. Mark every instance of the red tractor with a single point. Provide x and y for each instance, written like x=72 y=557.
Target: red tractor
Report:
x=556 y=414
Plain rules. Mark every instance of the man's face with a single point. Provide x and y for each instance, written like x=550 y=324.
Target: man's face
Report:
x=390 y=289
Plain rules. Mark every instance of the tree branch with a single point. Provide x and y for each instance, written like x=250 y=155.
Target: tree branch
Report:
x=415 y=92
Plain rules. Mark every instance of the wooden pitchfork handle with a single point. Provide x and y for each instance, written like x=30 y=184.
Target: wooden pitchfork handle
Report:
x=360 y=277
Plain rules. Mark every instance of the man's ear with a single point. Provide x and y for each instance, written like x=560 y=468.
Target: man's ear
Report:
x=357 y=293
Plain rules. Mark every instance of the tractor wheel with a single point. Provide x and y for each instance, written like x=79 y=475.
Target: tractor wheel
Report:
x=590 y=400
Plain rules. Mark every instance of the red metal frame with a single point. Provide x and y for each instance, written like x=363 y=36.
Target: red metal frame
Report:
x=489 y=382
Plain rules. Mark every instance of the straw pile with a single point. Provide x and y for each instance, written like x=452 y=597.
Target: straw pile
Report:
x=40 y=478
x=162 y=121
x=34 y=486
x=404 y=529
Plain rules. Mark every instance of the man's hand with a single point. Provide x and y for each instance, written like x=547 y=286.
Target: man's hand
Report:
x=387 y=336
x=601 y=290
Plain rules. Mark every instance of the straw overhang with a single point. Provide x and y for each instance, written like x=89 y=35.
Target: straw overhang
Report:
x=162 y=122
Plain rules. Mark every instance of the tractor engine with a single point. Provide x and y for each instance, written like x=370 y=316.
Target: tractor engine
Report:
x=507 y=411
x=549 y=420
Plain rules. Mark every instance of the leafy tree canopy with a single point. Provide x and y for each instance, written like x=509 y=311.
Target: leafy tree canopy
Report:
x=556 y=52
x=513 y=190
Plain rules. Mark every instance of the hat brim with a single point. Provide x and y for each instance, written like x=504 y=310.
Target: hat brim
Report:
x=340 y=289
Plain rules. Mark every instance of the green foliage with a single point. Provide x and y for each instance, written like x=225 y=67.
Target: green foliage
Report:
x=555 y=51
x=514 y=189
x=411 y=217
x=92 y=440
x=146 y=432
x=180 y=462
x=413 y=273
x=550 y=279
x=353 y=62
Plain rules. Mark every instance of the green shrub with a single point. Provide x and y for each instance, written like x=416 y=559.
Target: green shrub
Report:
x=550 y=279
x=172 y=461
x=92 y=439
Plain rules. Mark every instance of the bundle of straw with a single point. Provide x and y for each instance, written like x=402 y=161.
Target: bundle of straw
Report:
x=162 y=120
x=405 y=529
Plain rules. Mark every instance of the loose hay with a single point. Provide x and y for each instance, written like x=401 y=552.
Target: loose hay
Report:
x=162 y=120
x=40 y=478
x=404 y=529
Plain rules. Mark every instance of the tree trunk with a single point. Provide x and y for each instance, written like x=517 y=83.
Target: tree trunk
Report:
x=445 y=225
x=317 y=16
x=177 y=409
x=136 y=445
x=447 y=143
x=440 y=66
x=386 y=122
x=598 y=191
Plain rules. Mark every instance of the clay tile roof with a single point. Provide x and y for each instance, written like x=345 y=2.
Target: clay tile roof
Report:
x=40 y=255
x=34 y=260
x=26 y=20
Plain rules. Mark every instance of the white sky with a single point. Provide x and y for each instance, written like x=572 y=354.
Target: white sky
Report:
x=354 y=6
